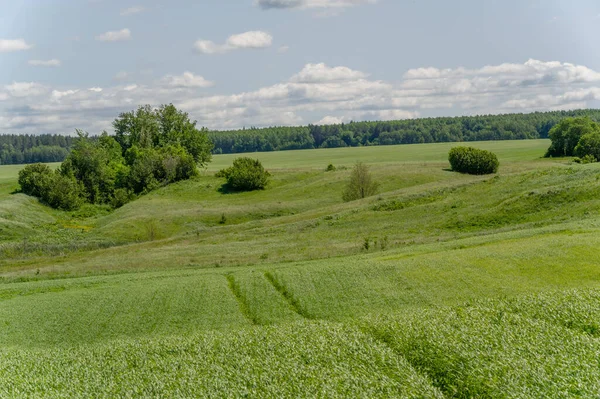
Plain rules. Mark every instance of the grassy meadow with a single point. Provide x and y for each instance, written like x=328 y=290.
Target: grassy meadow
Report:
x=441 y=286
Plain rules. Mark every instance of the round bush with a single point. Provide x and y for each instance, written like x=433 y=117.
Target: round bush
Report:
x=35 y=179
x=589 y=145
x=473 y=161
x=246 y=174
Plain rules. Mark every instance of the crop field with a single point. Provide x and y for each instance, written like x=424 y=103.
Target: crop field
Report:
x=442 y=285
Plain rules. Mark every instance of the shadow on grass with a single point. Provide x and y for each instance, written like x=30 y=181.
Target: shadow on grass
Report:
x=227 y=189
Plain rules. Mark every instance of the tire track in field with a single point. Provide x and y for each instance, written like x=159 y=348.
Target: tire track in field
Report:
x=237 y=293
x=385 y=341
x=289 y=297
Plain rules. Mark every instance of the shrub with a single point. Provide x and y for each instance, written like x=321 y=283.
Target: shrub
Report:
x=246 y=174
x=65 y=193
x=35 y=179
x=121 y=197
x=567 y=133
x=589 y=145
x=330 y=168
x=473 y=161
x=361 y=184
x=588 y=159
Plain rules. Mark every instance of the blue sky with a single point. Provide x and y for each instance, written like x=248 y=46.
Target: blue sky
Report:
x=67 y=64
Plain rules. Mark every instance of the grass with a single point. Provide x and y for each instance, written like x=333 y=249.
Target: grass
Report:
x=485 y=352
x=192 y=292
x=298 y=360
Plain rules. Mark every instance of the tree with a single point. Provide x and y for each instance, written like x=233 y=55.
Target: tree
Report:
x=152 y=148
x=35 y=179
x=162 y=127
x=589 y=145
x=361 y=184
x=65 y=193
x=473 y=161
x=566 y=135
x=96 y=164
x=246 y=174
x=55 y=189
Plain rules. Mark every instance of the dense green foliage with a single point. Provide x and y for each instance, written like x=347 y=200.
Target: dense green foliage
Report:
x=142 y=126
x=246 y=174
x=162 y=128
x=20 y=149
x=589 y=145
x=361 y=184
x=56 y=189
x=429 y=130
x=567 y=134
x=473 y=161
x=152 y=148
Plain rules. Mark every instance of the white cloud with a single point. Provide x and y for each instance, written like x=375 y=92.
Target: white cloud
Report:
x=330 y=120
x=315 y=73
x=25 y=89
x=246 y=40
x=48 y=63
x=252 y=39
x=115 y=36
x=304 y=4
x=8 y=45
x=132 y=10
x=389 y=115
x=186 y=80
x=57 y=94
x=318 y=92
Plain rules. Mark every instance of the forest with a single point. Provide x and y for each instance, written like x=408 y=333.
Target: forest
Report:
x=412 y=131
x=29 y=148
x=22 y=149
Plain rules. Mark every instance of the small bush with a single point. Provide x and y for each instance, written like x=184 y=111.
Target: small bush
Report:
x=331 y=168
x=53 y=188
x=361 y=184
x=121 y=197
x=589 y=146
x=65 y=193
x=473 y=161
x=35 y=179
x=589 y=159
x=246 y=174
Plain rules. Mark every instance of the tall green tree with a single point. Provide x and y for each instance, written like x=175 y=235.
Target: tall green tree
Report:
x=589 y=144
x=566 y=135
x=161 y=127
x=151 y=148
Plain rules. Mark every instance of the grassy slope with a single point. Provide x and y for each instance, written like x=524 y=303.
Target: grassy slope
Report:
x=290 y=266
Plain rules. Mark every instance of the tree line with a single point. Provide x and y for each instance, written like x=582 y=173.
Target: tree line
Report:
x=54 y=148
x=28 y=148
x=425 y=130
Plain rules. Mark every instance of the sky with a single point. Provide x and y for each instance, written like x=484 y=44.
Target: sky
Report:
x=77 y=64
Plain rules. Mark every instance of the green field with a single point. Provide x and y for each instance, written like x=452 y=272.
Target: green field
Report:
x=442 y=285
